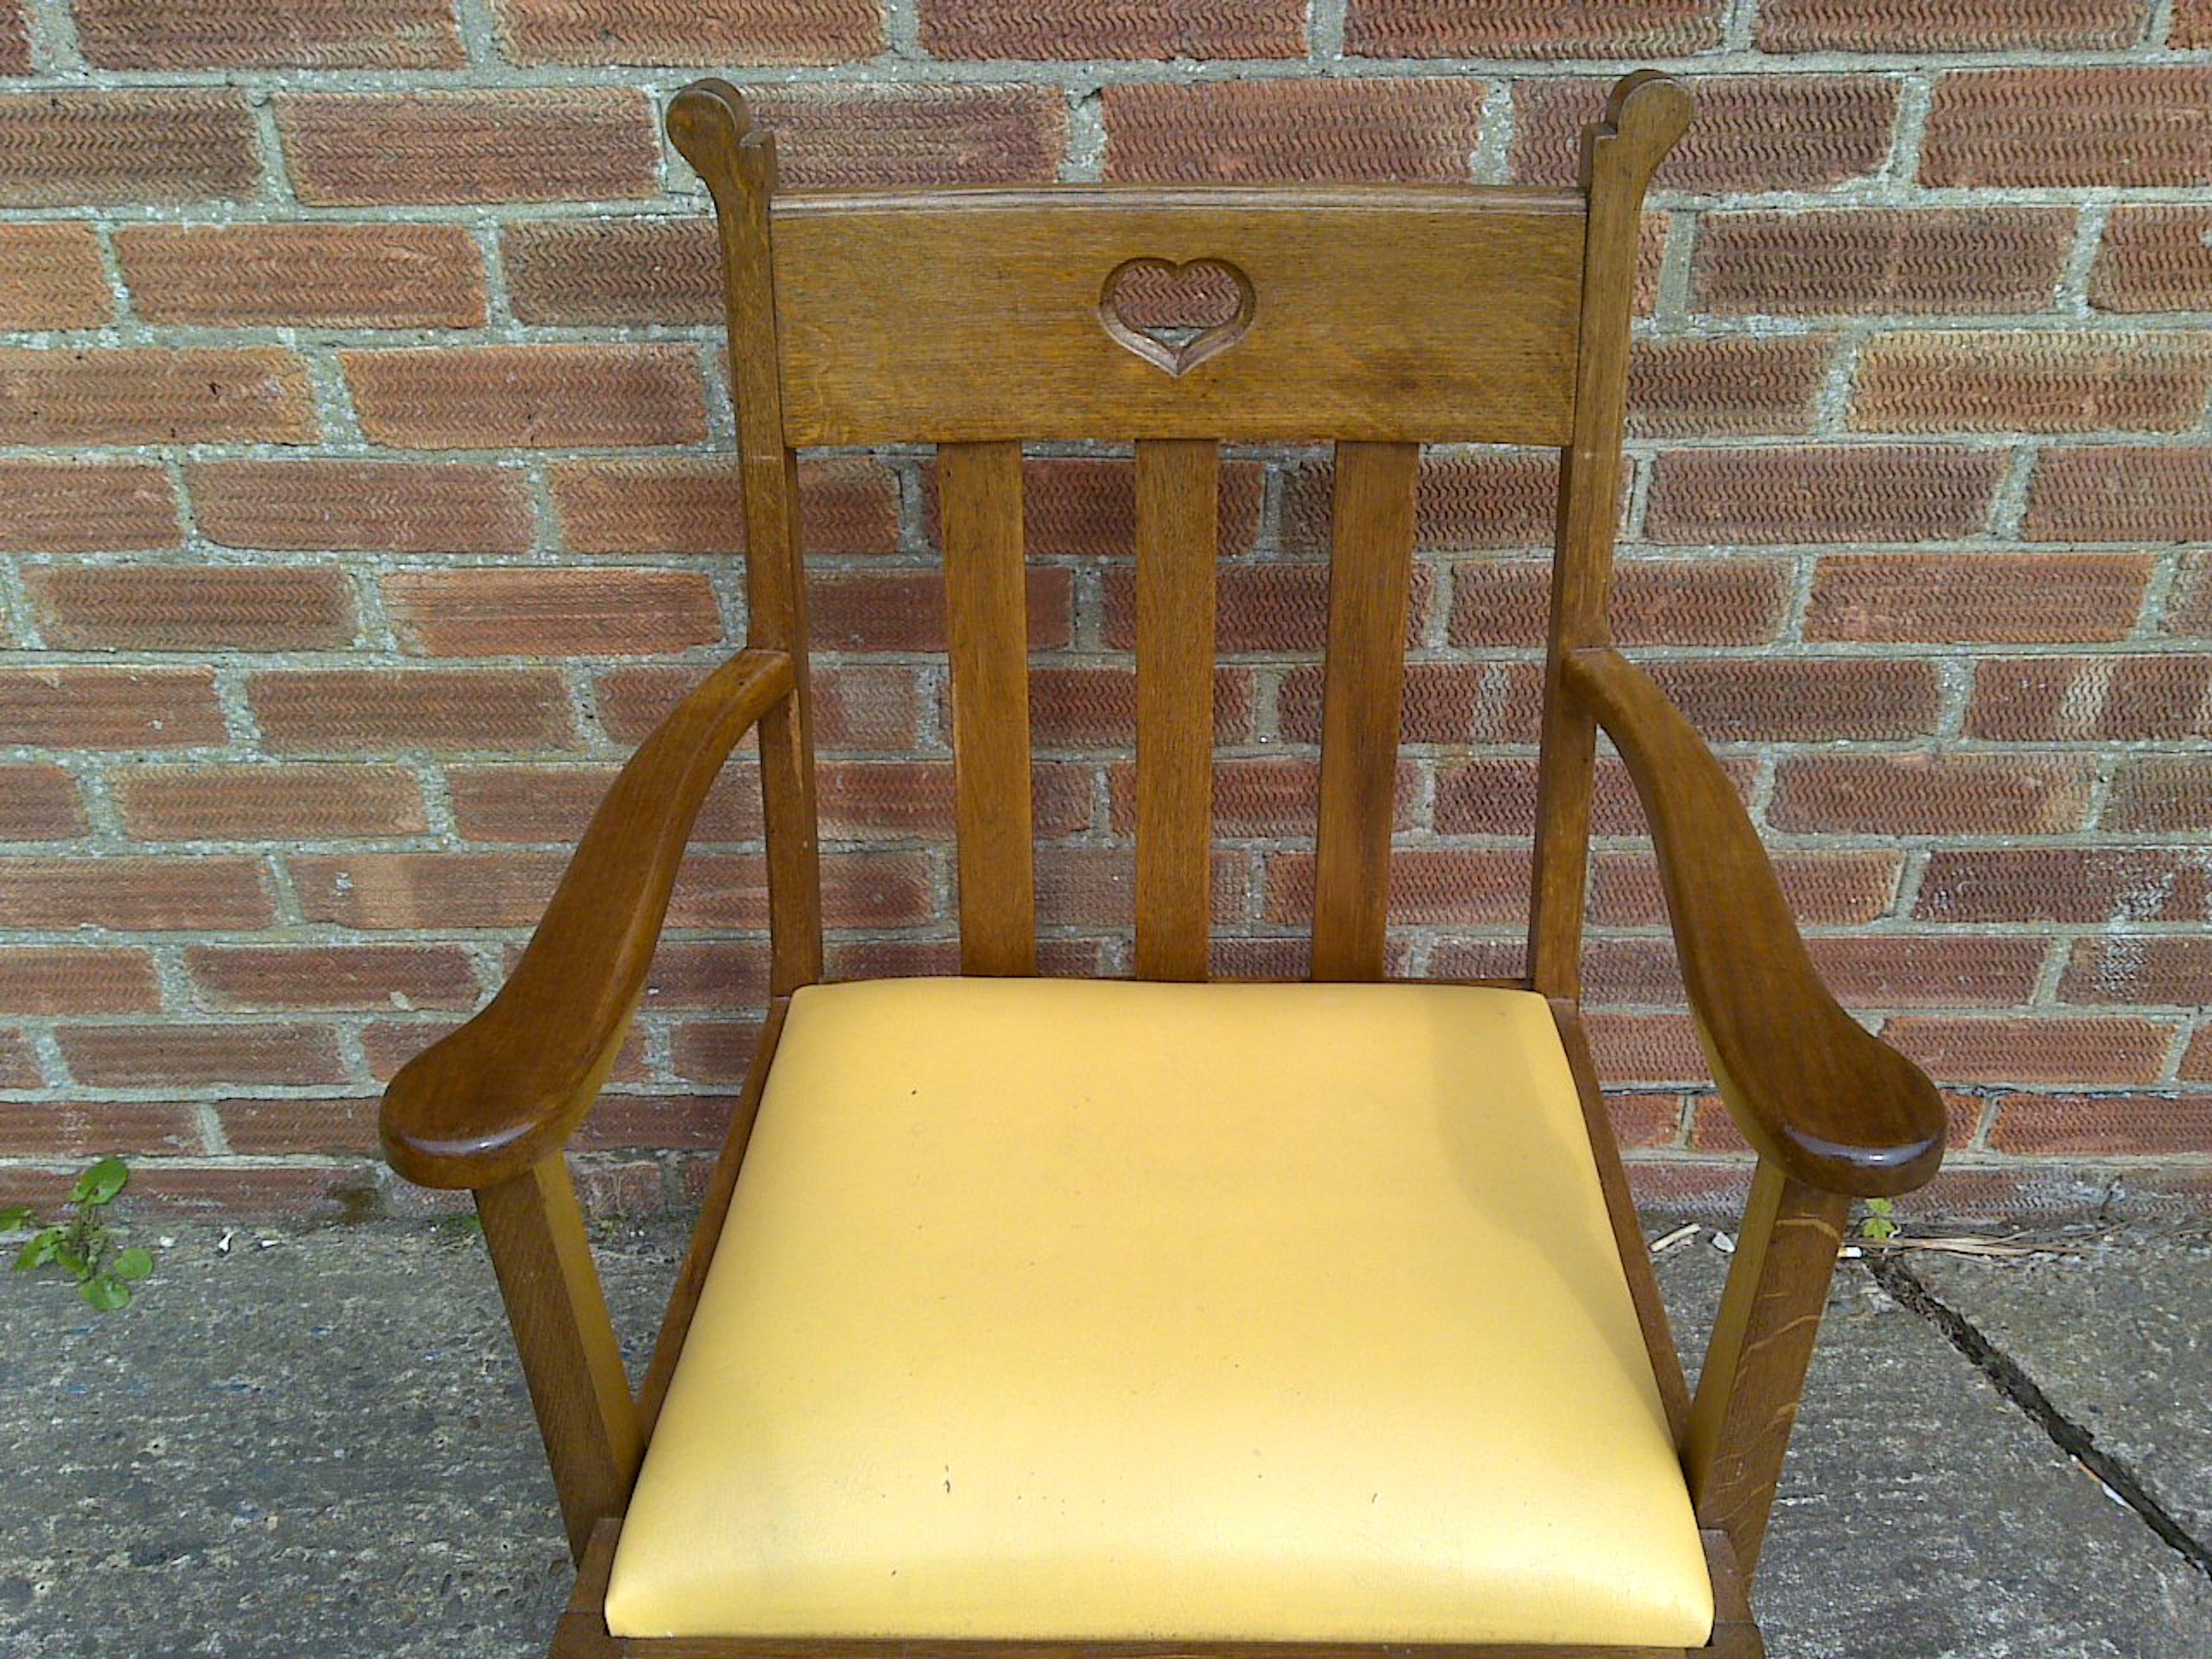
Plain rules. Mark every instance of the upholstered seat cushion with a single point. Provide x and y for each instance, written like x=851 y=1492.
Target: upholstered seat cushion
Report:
x=1102 y=1309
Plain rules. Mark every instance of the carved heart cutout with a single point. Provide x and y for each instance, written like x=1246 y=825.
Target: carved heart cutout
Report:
x=1177 y=316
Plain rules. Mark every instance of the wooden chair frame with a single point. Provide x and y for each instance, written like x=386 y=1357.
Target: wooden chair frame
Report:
x=1832 y=1111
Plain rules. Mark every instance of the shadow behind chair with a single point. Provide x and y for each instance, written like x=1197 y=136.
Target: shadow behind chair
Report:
x=1378 y=1231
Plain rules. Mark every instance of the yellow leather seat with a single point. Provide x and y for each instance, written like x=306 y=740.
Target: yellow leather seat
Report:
x=1106 y=1309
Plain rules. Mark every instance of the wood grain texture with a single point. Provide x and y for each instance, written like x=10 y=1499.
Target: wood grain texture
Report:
x=1379 y=314
x=980 y=493
x=582 y=1631
x=564 y=1335
x=1817 y=1095
x=1762 y=1343
x=490 y=1100
x=1178 y=511
x=1370 y=578
x=1644 y=117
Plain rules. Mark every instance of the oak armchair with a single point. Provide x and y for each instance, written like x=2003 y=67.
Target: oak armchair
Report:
x=1170 y=1316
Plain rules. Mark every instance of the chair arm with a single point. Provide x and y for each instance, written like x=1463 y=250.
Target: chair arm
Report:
x=1832 y=1105
x=489 y=1100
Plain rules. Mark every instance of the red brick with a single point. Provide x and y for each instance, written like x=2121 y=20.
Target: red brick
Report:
x=1530 y=28
x=1713 y=1131
x=88 y=1129
x=170 y=607
x=1267 y=608
x=714 y=1050
x=2103 y=1126
x=185 y=1055
x=2120 y=492
x=434 y=709
x=50 y=276
x=553 y=804
x=312 y=276
x=1488 y=498
x=1077 y=29
x=2154 y=258
x=1899 y=25
x=1864 y=970
x=1430 y=886
x=127 y=145
x=612 y=612
x=1932 y=793
x=684 y=1122
x=2032 y=1050
x=600 y=272
x=2069 y=126
x=265 y=1128
x=2192 y=24
x=1301 y=131
x=1082 y=707
x=829 y=136
x=1496 y=795
x=899 y=800
x=2197 y=1059
x=1880 y=260
x=908 y=958
x=2188 y=609
x=1802 y=699
x=85 y=507
x=903 y=608
x=203 y=34
x=135 y=893
x=856 y=705
x=368 y=976
x=651 y=32
x=154 y=395
x=386 y=507
x=2034 y=599
x=717 y=975
x=19 y=1066
x=2082 y=699
x=14 y=39
x=509 y=144
x=76 y=980
x=1753 y=133
x=2122 y=969
x=2153 y=792
x=684 y=504
x=2065 y=884
x=1257 y=795
x=1094 y=886
x=78 y=707
x=528 y=396
x=1726 y=386
x=1445 y=703
x=1082 y=506
x=39 y=801
x=2038 y=382
x=1823 y=890
x=265 y=803
x=1654 y=601
x=1821 y=493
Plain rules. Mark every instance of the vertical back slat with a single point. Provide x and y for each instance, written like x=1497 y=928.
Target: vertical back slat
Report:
x=1178 y=492
x=1370 y=577
x=979 y=487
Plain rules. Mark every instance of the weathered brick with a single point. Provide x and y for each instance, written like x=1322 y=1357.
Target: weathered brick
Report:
x=184 y=1056
x=69 y=979
x=1842 y=889
x=1726 y=386
x=1898 y=26
x=39 y=801
x=2032 y=1049
x=651 y=32
x=172 y=607
x=1485 y=498
x=1531 y=28
x=507 y=144
x=870 y=706
x=2102 y=1125
x=2156 y=793
x=155 y=395
x=686 y=504
x=1076 y=29
x=594 y=272
x=305 y=710
x=262 y=802
x=137 y=894
x=831 y=137
x=333 y=976
x=50 y=276
x=76 y=706
x=1265 y=608
x=612 y=611
x=528 y=396
x=2154 y=258
x=1880 y=260
x=260 y=1128
x=1932 y=793
x=2085 y=699
x=321 y=275
x=85 y=507
x=20 y=1068
x=206 y=34
x=1821 y=493
x=1293 y=130
x=1752 y=132
x=2188 y=608
x=2106 y=126
x=903 y=608
x=1654 y=601
x=88 y=1129
x=1080 y=506
x=2038 y=382
x=1978 y=598
x=1802 y=699
x=2124 y=968
x=14 y=39
x=127 y=145
x=386 y=507
x=2101 y=884
x=2120 y=493
x=553 y=804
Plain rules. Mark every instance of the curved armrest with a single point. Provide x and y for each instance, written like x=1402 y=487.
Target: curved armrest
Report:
x=492 y=1099
x=1834 y=1106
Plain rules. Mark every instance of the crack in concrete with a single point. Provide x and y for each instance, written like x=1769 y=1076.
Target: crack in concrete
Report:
x=2005 y=1376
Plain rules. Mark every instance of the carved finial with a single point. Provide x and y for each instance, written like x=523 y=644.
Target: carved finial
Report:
x=1646 y=112
x=709 y=124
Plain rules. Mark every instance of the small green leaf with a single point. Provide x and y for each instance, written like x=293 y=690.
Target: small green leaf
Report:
x=16 y=1216
x=105 y=1292
x=101 y=1183
x=40 y=1250
x=133 y=1263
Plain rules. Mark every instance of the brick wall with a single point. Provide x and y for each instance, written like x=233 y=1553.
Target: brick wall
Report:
x=363 y=498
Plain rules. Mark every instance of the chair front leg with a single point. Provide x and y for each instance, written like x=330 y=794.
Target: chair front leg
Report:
x=1754 y=1370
